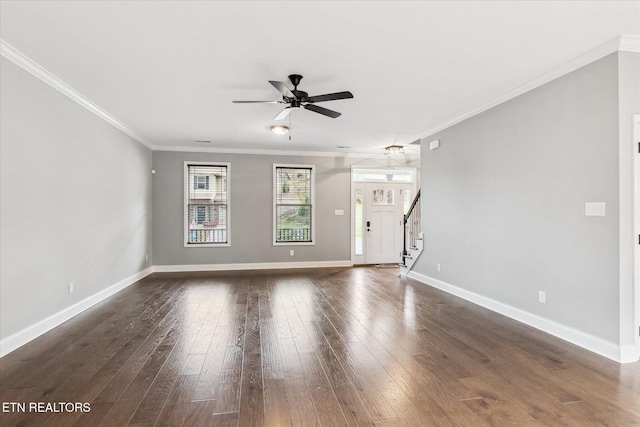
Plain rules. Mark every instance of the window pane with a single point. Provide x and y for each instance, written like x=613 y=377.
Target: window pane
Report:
x=293 y=223
x=293 y=186
x=207 y=204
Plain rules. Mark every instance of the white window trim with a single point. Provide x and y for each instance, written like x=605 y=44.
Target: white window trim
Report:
x=313 y=205
x=185 y=217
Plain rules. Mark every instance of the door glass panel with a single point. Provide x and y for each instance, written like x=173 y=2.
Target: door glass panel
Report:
x=406 y=201
x=382 y=197
x=358 y=218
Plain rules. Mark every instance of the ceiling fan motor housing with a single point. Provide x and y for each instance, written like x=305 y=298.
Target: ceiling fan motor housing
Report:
x=301 y=95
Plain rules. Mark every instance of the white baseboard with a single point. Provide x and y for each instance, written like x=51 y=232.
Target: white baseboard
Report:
x=249 y=266
x=625 y=354
x=20 y=338
x=29 y=333
x=587 y=341
x=628 y=354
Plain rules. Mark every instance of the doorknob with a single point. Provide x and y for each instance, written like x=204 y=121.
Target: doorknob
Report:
x=368 y=225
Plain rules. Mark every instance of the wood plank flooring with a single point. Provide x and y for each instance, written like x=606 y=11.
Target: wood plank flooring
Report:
x=318 y=347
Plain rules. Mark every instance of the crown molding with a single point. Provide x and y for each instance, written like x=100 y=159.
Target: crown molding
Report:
x=24 y=62
x=629 y=44
x=21 y=60
x=621 y=43
x=301 y=153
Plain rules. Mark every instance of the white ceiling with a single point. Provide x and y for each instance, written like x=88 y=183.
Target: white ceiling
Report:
x=169 y=70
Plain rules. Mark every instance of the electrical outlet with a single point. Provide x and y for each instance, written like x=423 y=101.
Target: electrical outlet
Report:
x=291 y=252
x=71 y=287
x=438 y=266
x=146 y=257
x=542 y=297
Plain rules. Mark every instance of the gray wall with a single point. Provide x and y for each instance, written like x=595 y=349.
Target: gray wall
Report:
x=503 y=201
x=251 y=211
x=629 y=104
x=75 y=202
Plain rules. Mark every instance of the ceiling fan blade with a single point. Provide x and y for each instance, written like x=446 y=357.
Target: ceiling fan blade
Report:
x=322 y=110
x=282 y=88
x=282 y=114
x=259 y=102
x=331 y=96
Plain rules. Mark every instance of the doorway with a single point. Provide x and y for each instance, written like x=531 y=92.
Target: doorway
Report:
x=381 y=197
x=384 y=222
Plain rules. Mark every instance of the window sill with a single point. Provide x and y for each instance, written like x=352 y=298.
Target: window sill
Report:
x=207 y=245
x=294 y=243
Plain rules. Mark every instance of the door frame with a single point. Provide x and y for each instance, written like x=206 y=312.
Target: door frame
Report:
x=361 y=259
x=397 y=208
x=636 y=237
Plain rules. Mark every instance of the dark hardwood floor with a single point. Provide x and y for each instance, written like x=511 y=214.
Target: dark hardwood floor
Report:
x=323 y=347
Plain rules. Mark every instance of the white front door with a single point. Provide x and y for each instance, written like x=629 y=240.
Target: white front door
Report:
x=383 y=222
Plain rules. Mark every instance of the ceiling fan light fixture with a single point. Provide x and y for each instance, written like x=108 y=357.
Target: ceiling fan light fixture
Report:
x=279 y=129
x=394 y=149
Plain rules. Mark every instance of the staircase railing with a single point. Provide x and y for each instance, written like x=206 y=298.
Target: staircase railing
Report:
x=412 y=227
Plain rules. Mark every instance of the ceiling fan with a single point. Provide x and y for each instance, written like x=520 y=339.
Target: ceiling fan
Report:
x=298 y=98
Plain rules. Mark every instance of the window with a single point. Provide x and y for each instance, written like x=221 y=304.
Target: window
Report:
x=293 y=209
x=201 y=182
x=384 y=175
x=206 y=204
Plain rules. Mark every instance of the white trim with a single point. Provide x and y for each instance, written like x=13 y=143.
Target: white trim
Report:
x=624 y=43
x=629 y=44
x=185 y=218
x=332 y=154
x=620 y=43
x=628 y=354
x=32 y=332
x=20 y=338
x=636 y=224
x=249 y=266
x=313 y=204
x=18 y=58
x=587 y=341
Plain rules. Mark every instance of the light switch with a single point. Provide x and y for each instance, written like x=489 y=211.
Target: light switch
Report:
x=339 y=212
x=594 y=208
